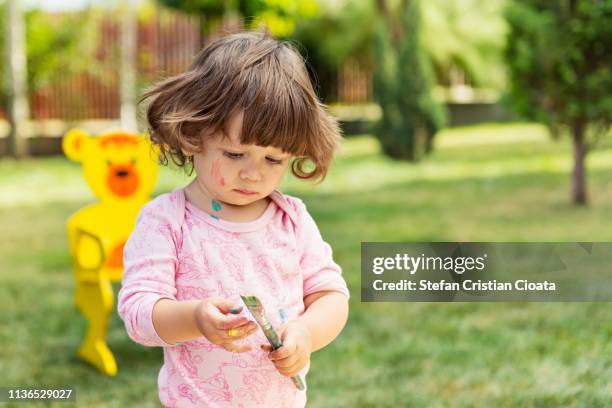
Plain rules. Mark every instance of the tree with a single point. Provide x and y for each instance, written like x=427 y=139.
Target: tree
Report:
x=559 y=56
x=402 y=85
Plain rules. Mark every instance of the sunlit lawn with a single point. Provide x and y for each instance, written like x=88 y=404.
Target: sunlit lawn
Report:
x=483 y=183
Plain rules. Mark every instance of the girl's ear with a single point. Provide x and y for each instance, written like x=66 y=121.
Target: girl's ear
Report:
x=73 y=144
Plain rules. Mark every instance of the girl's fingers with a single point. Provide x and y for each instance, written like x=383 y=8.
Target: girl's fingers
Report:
x=246 y=326
x=285 y=362
x=288 y=366
x=238 y=333
x=235 y=348
x=292 y=370
x=285 y=351
x=230 y=322
x=225 y=314
x=225 y=305
x=220 y=321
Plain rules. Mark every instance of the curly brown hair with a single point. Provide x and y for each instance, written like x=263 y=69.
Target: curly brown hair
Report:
x=256 y=73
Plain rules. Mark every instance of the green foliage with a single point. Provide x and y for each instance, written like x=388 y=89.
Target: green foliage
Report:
x=212 y=11
x=56 y=45
x=560 y=58
x=279 y=16
x=402 y=87
x=204 y=7
x=468 y=34
x=59 y=46
x=340 y=32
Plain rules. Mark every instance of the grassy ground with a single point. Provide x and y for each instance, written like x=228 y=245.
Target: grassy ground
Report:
x=485 y=183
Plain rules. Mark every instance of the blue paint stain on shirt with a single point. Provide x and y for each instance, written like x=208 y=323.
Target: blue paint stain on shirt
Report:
x=281 y=313
x=214 y=216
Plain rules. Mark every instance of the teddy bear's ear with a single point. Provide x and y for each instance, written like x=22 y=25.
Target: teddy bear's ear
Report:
x=74 y=143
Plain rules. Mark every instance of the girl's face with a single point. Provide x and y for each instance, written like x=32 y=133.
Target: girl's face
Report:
x=235 y=173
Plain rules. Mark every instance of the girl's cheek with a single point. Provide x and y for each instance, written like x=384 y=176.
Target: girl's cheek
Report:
x=217 y=173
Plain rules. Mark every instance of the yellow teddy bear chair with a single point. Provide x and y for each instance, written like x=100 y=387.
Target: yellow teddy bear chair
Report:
x=121 y=170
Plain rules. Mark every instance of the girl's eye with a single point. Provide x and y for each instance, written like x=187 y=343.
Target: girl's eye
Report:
x=274 y=161
x=233 y=155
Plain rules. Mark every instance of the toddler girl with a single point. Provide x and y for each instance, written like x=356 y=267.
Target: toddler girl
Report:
x=242 y=114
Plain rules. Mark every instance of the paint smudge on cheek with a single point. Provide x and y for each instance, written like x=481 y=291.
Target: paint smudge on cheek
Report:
x=215 y=173
x=213 y=168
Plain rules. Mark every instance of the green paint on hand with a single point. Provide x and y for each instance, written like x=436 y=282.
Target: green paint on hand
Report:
x=216 y=205
x=235 y=310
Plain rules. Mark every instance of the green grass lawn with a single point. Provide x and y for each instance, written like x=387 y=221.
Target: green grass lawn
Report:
x=483 y=183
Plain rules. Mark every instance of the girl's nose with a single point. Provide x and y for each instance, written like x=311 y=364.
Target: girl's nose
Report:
x=250 y=173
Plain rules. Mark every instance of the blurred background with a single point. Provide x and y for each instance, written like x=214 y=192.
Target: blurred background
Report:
x=464 y=120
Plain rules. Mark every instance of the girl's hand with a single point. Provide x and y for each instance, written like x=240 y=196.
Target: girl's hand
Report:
x=217 y=320
x=295 y=351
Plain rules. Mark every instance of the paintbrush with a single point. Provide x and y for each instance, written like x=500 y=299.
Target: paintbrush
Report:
x=258 y=312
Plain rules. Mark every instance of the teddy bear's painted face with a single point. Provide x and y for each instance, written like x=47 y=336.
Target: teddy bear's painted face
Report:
x=117 y=166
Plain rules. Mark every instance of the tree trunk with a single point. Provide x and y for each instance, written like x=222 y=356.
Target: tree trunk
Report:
x=393 y=21
x=18 y=109
x=579 y=196
x=127 y=70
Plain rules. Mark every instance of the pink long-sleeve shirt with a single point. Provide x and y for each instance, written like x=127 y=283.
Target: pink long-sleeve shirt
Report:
x=180 y=252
